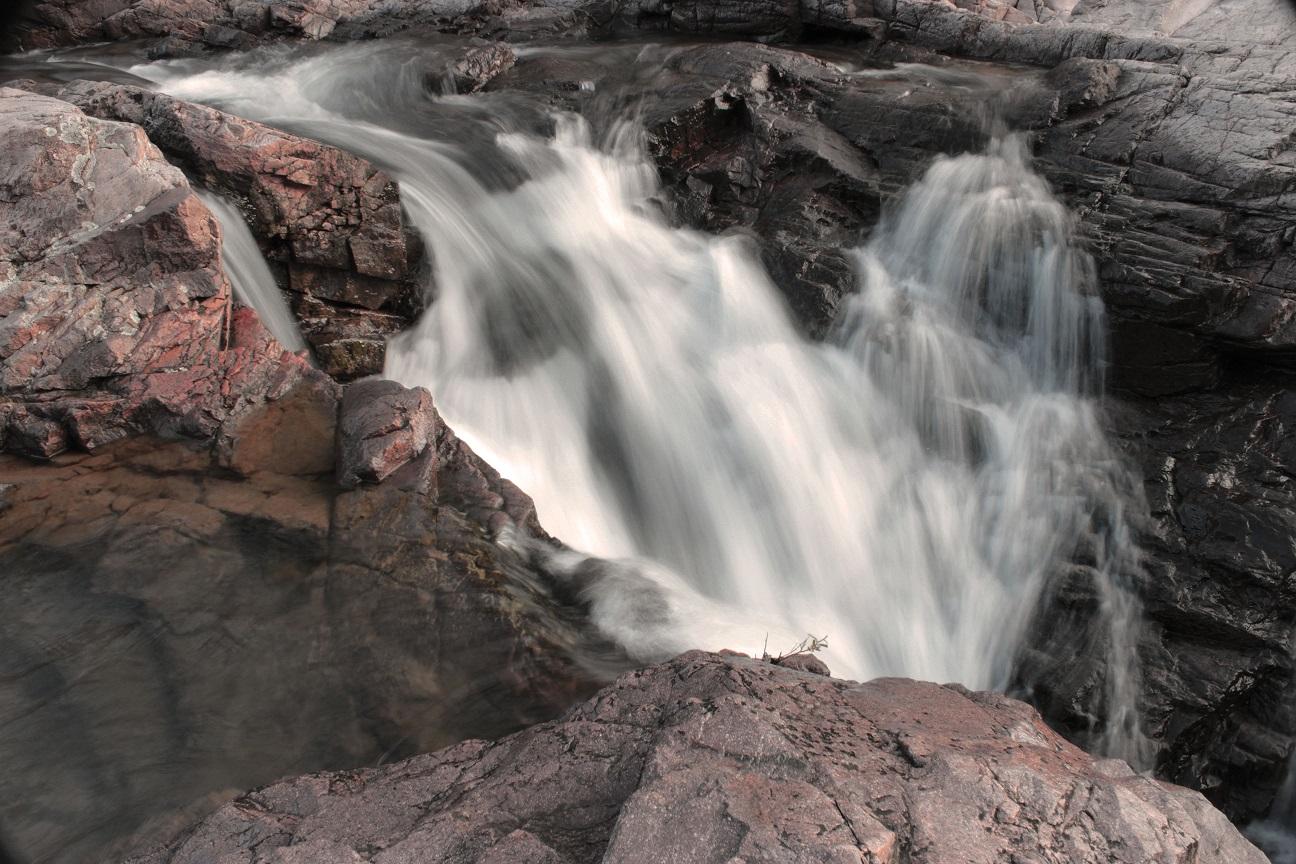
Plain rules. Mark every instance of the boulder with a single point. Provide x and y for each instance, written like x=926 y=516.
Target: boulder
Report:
x=713 y=758
x=329 y=221
x=383 y=427
x=115 y=315
x=479 y=65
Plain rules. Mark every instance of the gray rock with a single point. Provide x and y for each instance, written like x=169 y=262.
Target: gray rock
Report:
x=714 y=759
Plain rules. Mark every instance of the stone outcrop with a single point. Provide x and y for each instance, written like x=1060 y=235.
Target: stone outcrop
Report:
x=178 y=631
x=329 y=222
x=714 y=759
x=115 y=316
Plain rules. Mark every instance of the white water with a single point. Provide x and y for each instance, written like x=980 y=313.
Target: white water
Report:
x=253 y=283
x=904 y=489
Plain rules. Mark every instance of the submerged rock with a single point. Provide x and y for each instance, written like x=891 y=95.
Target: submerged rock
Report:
x=713 y=759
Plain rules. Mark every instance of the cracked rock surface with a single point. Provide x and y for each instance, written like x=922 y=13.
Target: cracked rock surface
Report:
x=713 y=758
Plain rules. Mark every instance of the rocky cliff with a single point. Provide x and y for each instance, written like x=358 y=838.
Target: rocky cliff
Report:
x=253 y=570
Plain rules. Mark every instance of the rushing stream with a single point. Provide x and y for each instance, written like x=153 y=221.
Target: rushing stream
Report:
x=904 y=488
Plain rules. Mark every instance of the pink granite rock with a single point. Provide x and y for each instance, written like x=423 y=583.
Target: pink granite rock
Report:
x=115 y=315
x=720 y=759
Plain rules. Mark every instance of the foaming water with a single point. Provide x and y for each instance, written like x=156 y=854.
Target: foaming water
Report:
x=250 y=276
x=906 y=488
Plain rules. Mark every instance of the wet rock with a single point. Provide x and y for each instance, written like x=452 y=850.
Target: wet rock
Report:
x=1185 y=198
x=115 y=317
x=711 y=758
x=479 y=65
x=331 y=220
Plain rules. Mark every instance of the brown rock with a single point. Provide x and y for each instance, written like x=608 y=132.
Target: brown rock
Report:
x=383 y=427
x=716 y=759
x=227 y=628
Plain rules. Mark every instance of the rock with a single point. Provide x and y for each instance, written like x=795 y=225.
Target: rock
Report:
x=115 y=316
x=383 y=427
x=711 y=758
x=804 y=663
x=330 y=220
x=479 y=65
x=199 y=585
x=218 y=23
x=776 y=19
x=203 y=618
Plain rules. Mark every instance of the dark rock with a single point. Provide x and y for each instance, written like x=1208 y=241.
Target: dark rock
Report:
x=1176 y=159
x=804 y=663
x=711 y=758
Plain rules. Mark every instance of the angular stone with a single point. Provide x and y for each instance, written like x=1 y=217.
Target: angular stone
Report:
x=382 y=427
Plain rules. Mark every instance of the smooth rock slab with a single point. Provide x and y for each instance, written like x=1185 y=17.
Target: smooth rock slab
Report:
x=717 y=759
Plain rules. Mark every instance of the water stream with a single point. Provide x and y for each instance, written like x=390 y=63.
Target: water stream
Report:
x=250 y=276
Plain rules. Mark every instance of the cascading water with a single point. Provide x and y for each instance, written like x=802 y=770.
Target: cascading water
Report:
x=249 y=274
x=905 y=488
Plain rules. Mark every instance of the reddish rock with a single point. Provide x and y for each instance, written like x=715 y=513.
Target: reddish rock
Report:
x=218 y=23
x=804 y=663
x=330 y=220
x=383 y=427
x=718 y=759
x=115 y=316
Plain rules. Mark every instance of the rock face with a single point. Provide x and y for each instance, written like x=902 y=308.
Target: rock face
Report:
x=714 y=759
x=190 y=596
x=178 y=631
x=115 y=317
x=330 y=222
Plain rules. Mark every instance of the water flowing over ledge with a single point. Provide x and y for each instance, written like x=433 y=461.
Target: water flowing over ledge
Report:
x=907 y=487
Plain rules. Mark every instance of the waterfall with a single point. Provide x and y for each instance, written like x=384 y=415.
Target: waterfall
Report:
x=254 y=285
x=905 y=488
